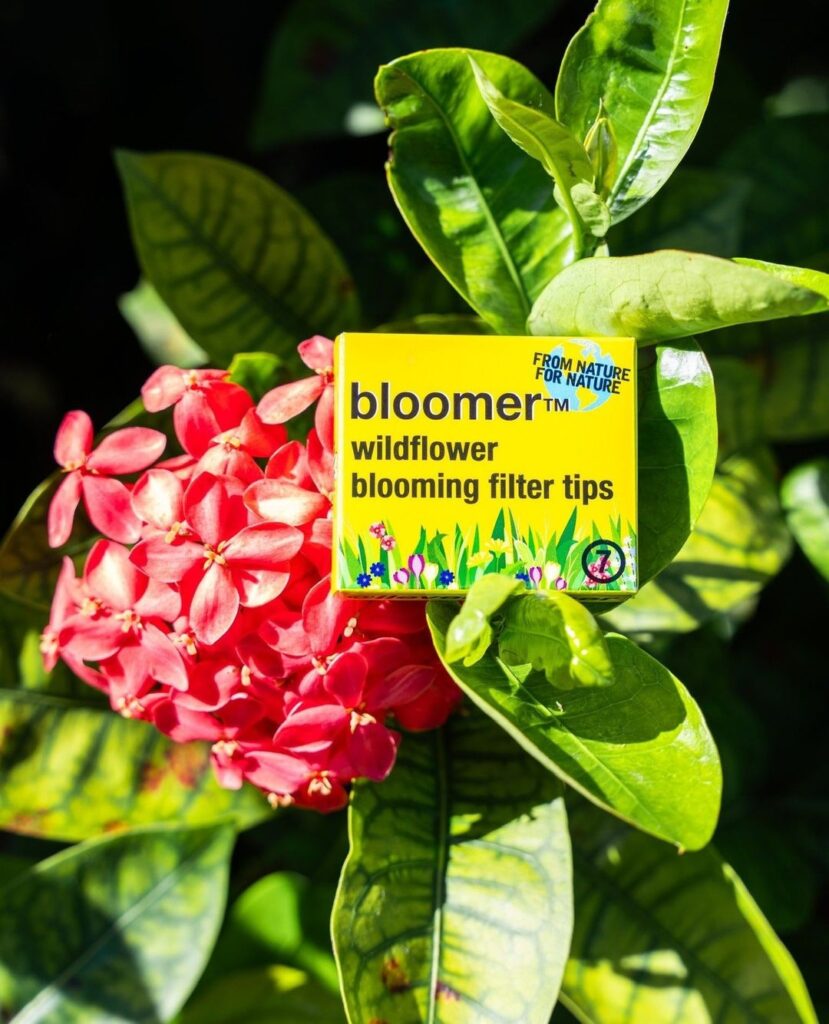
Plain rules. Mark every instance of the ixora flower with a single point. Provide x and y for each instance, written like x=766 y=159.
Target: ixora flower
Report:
x=206 y=608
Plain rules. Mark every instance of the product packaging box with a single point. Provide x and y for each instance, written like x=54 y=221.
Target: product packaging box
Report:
x=458 y=456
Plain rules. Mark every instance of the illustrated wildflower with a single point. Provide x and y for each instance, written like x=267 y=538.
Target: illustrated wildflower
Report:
x=377 y=530
x=364 y=579
x=388 y=543
x=377 y=569
x=523 y=576
x=561 y=583
x=401 y=576
x=552 y=571
x=417 y=564
x=446 y=577
x=430 y=572
x=534 y=574
x=498 y=547
x=478 y=559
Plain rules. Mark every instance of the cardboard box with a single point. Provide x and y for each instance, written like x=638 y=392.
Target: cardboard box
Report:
x=458 y=456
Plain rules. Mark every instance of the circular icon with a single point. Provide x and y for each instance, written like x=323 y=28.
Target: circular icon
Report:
x=603 y=561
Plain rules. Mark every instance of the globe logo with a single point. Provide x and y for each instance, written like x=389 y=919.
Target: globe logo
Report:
x=583 y=376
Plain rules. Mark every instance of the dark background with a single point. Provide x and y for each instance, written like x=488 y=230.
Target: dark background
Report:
x=77 y=81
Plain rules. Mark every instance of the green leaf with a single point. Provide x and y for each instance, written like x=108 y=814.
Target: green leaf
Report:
x=239 y=263
x=454 y=903
x=256 y=371
x=481 y=208
x=670 y=294
x=670 y=940
x=470 y=633
x=738 y=544
x=319 y=66
x=677 y=449
x=273 y=921
x=651 y=66
x=264 y=996
x=555 y=634
x=71 y=768
x=640 y=748
x=561 y=155
x=116 y=929
x=160 y=334
x=805 y=497
x=700 y=210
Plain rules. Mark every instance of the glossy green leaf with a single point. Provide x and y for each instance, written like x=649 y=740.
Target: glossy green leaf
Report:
x=161 y=336
x=800 y=277
x=117 y=929
x=266 y=995
x=470 y=634
x=455 y=900
x=738 y=544
x=700 y=210
x=317 y=76
x=481 y=208
x=561 y=155
x=239 y=263
x=556 y=635
x=72 y=768
x=664 y=939
x=670 y=294
x=639 y=748
x=651 y=64
x=805 y=497
x=256 y=371
x=677 y=448
x=276 y=920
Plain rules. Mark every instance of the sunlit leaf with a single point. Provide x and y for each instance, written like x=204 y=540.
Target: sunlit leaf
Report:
x=455 y=900
x=116 y=929
x=160 y=334
x=805 y=497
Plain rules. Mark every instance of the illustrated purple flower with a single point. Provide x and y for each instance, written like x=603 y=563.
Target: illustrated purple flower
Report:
x=561 y=583
x=417 y=563
x=535 y=573
x=400 y=576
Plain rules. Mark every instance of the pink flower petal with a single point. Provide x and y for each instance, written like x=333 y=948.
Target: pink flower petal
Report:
x=275 y=772
x=372 y=750
x=346 y=678
x=214 y=606
x=163 y=388
x=166 y=562
x=164 y=662
x=195 y=423
x=159 y=601
x=74 y=438
x=157 y=498
x=263 y=545
x=258 y=587
x=92 y=639
x=289 y=463
x=112 y=577
x=321 y=464
x=324 y=418
x=222 y=460
x=62 y=510
x=289 y=400
x=107 y=504
x=312 y=730
x=325 y=615
x=214 y=508
x=317 y=353
x=282 y=502
x=128 y=450
x=260 y=439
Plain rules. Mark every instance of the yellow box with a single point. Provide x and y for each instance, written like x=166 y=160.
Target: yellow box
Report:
x=464 y=455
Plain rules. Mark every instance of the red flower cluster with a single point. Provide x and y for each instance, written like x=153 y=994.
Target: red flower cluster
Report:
x=219 y=623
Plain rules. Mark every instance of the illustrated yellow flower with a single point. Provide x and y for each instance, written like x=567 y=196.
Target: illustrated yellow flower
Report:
x=498 y=547
x=480 y=559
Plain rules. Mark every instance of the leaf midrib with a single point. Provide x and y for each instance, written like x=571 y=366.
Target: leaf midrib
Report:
x=651 y=921
x=282 y=317
x=500 y=241
x=51 y=993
